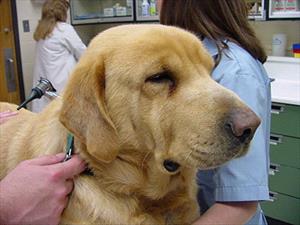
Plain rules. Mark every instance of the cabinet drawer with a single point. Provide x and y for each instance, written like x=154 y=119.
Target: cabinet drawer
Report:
x=285 y=119
x=285 y=150
x=285 y=180
x=283 y=207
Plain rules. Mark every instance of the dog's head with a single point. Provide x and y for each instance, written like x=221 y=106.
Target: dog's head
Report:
x=148 y=87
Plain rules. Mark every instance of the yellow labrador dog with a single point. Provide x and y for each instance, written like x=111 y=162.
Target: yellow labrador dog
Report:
x=145 y=115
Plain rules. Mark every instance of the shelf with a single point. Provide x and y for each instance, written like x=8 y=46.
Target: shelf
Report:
x=101 y=11
x=148 y=18
x=283 y=59
x=102 y=20
x=257 y=17
x=253 y=1
x=105 y=11
x=281 y=15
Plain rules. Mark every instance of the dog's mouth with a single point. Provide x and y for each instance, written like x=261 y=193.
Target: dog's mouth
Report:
x=205 y=160
x=204 y=152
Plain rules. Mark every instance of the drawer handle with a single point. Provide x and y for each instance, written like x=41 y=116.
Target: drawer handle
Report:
x=272 y=196
x=275 y=139
x=277 y=109
x=274 y=168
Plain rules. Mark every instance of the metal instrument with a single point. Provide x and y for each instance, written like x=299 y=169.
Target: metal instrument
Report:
x=44 y=87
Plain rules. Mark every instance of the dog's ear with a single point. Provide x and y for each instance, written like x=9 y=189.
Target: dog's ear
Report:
x=84 y=111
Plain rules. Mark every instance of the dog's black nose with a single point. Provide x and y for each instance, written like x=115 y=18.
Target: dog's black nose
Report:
x=171 y=166
x=242 y=124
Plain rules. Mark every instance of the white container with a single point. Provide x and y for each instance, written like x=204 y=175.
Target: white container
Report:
x=279 y=44
x=129 y=3
x=108 y=12
x=152 y=8
x=145 y=8
x=278 y=5
x=121 y=11
x=291 y=5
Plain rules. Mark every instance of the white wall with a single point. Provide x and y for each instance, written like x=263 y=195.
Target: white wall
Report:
x=27 y=10
x=265 y=31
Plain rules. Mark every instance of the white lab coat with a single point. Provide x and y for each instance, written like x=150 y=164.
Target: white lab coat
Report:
x=56 y=57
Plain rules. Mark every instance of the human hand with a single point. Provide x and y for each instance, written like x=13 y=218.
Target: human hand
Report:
x=36 y=191
x=6 y=115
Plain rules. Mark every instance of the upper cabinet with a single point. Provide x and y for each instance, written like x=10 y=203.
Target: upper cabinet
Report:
x=101 y=11
x=146 y=10
x=108 y=11
x=273 y=9
x=279 y=9
x=257 y=9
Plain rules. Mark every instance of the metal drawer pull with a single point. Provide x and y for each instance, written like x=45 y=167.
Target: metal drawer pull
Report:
x=272 y=196
x=276 y=108
x=274 y=168
x=275 y=139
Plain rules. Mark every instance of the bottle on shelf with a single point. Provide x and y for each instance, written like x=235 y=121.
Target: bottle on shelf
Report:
x=291 y=5
x=152 y=7
x=278 y=5
x=129 y=7
x=145 y=8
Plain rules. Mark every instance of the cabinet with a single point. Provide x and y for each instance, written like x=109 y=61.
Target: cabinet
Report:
x=109 y=11
x=257 y=9
x=101 y=11
x=284 y=175
x=273 y=9
x=146 y=10
x=279 y=9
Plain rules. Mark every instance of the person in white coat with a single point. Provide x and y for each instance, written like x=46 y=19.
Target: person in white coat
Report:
x=58 y=48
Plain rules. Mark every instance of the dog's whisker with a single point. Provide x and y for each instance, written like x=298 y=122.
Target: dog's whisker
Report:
x=188 y=155
x=144 y=159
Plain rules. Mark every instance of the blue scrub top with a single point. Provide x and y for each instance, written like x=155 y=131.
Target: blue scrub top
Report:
x=245 y=178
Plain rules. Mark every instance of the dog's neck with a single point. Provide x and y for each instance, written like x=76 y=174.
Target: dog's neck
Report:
x=134 y=172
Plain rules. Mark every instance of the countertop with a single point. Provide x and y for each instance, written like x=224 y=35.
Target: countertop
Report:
x=286 y=72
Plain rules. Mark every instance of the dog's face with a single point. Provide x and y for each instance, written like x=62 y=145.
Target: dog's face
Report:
x=148 y=87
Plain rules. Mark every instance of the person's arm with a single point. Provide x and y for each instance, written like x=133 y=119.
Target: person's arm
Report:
x=237 y=213
x=6 y=115
x=73 y=42
x=36 y=191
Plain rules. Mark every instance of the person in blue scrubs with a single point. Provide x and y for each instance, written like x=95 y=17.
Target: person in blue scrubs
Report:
x=231 y=193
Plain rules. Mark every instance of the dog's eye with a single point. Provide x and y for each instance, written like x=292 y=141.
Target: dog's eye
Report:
x=161 y=78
